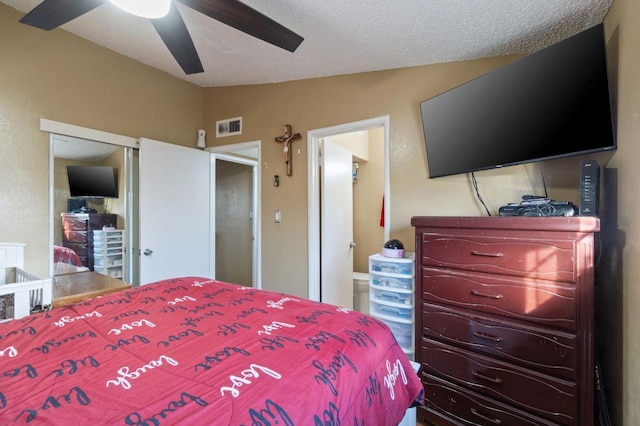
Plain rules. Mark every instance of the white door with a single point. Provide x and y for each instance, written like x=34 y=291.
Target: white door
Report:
x=336 y=271
x=174 y=205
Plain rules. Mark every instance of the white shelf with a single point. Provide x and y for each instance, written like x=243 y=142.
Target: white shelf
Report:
x=391 y=289
x=108 y=252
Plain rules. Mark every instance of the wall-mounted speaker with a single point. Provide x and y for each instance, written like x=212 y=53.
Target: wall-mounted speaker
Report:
x=589 y=188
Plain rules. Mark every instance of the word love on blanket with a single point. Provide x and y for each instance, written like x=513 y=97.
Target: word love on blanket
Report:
x=198 y=351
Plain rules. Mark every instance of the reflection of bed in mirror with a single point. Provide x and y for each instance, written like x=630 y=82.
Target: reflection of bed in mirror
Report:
x=66 y=261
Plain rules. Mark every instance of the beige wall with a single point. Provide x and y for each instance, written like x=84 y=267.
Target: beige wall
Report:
x=116 y=205
x=367 y=203
x=61 y=77
x=623 y=27
x=318 y=103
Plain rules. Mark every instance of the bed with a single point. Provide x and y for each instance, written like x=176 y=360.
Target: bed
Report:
x=66 y=261
x=198 y=351
x=66 y=255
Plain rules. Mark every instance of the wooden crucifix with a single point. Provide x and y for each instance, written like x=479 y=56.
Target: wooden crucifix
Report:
x=287 y=139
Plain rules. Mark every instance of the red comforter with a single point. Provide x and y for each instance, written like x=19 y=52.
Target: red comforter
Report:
x=201 y=352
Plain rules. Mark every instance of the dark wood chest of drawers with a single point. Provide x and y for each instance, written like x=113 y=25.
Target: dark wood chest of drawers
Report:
x=77 y=232
x=504 y=321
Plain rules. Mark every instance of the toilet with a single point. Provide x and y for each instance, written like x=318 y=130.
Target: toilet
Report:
x=361 y=292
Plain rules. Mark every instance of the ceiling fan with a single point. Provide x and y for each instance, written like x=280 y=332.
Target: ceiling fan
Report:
x=171 y=27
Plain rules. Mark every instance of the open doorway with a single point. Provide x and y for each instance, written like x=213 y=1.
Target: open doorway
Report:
x=315 y=218
x=236 y=190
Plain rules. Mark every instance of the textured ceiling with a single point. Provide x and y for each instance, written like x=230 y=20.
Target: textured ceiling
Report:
x=344 y=36
x=72 y=148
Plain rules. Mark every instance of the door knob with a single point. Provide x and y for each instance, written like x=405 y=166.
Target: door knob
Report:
x=352 y=244
x=148 y=252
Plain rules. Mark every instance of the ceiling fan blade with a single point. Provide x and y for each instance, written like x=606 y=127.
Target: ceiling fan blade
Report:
x=175 y=35
x=241 y=17
x=51 y=14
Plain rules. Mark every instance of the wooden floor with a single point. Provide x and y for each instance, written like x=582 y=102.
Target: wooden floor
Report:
x=79 y=286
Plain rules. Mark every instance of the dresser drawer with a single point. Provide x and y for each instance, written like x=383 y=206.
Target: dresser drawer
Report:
x=545 y=350
x=549 y=303
x=539 y=394
x=550 y=259
x=448 y=404
x=74 y=236
x=74 y=224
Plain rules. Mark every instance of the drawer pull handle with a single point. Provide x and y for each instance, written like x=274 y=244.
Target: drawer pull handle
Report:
x=487 y=336
x=480 y=253
x=487 y=295
x=495 y=380
x=487 y=418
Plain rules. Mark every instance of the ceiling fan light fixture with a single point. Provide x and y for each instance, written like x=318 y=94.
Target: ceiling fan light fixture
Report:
x=145 y=8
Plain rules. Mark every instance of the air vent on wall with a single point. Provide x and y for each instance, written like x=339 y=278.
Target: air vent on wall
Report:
x=229 y=127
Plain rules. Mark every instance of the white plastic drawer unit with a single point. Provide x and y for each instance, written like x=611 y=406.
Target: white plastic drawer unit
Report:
x=102 y=261
x=391 y=281
x=109 y=235
x=390 y=310
x=402 y=266
x=402 y=331
x=387 y=294
x=110 y=250
x=392 y=295
x=112 y=271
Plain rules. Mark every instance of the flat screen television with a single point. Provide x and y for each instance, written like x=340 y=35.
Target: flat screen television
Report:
x=552 y=103
x=93 y=181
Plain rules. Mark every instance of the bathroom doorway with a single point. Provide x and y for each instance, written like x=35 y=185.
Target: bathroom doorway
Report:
x=316 y=236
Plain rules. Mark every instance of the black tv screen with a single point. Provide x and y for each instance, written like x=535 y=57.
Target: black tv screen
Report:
x=552 y=103
x=93 y=181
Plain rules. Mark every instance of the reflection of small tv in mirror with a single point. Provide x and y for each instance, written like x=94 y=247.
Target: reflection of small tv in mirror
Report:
x=93 y=181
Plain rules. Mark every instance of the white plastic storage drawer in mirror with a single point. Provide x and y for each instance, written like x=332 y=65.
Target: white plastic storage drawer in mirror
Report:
x=110 y=236
x=402 y=266
x=102 y=262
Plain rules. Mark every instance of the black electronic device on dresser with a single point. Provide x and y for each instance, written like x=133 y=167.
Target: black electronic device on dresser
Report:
x=589 y=188
x=504 y=319
x=77 y=232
